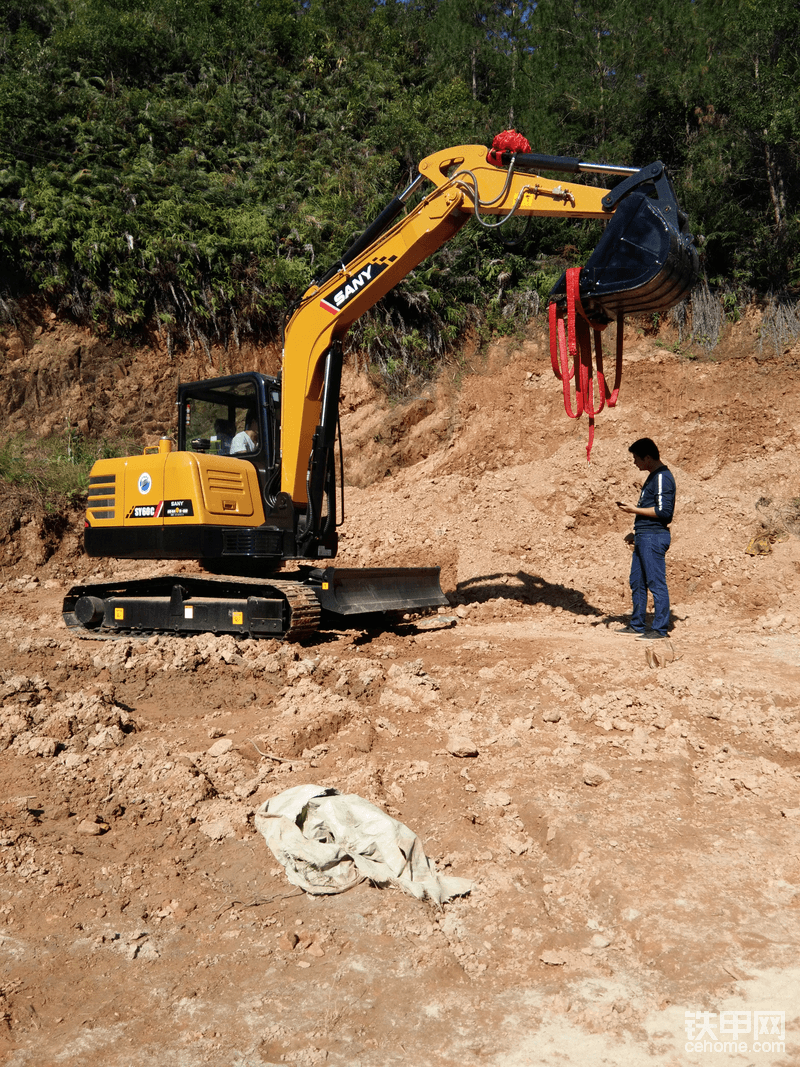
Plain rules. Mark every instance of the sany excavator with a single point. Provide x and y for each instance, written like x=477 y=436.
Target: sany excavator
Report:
x=252 y=480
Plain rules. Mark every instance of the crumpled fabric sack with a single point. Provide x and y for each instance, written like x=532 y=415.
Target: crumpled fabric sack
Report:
x=328 y=842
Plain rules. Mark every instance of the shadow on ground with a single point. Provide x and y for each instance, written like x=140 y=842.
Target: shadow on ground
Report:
x=525 y=588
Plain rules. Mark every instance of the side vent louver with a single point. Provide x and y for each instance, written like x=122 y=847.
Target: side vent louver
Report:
x=102 y=496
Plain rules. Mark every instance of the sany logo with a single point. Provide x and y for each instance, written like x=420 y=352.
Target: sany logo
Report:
x=341 y=296
x=345 y=293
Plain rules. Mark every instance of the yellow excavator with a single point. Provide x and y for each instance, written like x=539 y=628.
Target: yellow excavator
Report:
x=251 y=481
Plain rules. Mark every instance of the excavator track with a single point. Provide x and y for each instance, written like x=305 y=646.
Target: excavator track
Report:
x=182 y=603
x=305 y=608
x=290 y=608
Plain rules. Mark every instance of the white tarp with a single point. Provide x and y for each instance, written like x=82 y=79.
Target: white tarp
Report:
x=329 y=842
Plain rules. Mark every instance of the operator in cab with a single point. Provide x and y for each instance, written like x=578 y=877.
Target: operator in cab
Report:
x=247 y=439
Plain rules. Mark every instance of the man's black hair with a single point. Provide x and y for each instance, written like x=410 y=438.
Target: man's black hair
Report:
x=643 y=448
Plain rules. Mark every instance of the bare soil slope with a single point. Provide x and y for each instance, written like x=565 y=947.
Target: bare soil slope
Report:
x=633 y=830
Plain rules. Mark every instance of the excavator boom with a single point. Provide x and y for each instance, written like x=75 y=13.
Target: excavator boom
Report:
x=646 y=262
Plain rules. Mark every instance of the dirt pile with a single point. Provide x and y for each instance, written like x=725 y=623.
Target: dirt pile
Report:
x=633 y=830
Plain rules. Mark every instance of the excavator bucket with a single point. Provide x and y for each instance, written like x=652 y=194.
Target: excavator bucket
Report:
x=646 y=260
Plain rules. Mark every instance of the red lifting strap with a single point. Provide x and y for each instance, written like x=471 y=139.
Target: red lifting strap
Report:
x=574 y=341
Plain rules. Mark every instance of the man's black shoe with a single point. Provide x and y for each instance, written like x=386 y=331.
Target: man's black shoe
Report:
x=653 y=635
x=628 y=630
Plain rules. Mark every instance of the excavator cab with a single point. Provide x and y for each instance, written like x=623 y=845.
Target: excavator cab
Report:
x=214 y=415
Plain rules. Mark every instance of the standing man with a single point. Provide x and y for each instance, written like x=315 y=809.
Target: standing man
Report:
x=650 y=540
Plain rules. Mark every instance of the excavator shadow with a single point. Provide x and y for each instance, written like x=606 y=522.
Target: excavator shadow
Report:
x=527 y=589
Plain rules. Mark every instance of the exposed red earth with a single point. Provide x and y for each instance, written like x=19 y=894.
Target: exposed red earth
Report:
x=632 y=829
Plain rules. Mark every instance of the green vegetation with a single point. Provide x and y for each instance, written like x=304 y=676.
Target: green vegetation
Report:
x=190 y=165
x=54 y=472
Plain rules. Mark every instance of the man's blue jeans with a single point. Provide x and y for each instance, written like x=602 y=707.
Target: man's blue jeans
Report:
x=649 y=571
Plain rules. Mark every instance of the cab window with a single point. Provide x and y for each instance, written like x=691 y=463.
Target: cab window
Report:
x=216 y=420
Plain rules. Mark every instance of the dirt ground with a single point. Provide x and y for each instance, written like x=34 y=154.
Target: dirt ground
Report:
x=632 y=829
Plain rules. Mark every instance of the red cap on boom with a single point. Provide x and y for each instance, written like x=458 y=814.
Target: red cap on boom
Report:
x=507 y=141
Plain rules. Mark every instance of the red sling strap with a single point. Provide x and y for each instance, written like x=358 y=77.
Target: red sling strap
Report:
x=573 y=341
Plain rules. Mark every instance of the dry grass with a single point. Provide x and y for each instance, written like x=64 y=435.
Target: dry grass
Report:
x=780 y=324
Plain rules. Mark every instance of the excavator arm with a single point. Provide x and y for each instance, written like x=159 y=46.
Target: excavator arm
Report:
x=645 y=261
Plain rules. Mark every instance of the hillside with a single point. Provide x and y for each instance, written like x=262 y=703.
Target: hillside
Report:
x=189 y=166
x=631 y=829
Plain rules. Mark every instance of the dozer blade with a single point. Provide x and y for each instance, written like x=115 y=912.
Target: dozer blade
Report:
x=642 y=263
x=359 y=591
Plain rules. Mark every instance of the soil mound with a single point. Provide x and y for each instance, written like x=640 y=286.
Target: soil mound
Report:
x=631 y=822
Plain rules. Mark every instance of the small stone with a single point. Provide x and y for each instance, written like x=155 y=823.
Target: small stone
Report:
x=639 y=740
x=553 y=958
x=107 y=739
x=552 y=715
x=147 y=951
x=74 y=759
x=59 y=811
x=439 y=622
x=362 y=737
x=42 y=746
x=314 y=950
x=91 y=828
x=661 y=656
x=219 y=748
x=463 y=747
x=515 y=844
x=288 y=940
x=594 y=775
x=216 y=829
x=600 y=941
